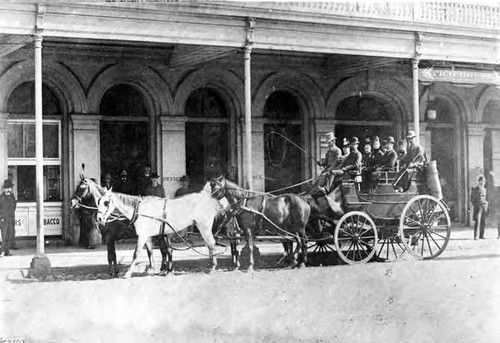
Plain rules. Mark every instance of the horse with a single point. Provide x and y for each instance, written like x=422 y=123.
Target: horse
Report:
x=286 y=215
x=87 y=194
x=152 y=216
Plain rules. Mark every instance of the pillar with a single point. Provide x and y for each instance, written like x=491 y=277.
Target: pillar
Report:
x=248 y=171
x=3 y=147
x=416 y=113
x=257 y=153
x=475 y=134
x=172 y=164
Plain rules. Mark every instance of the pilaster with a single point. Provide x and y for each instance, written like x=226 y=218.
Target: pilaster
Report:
x=3 y=146
x=172 y=164
x=475 y=134
x=259 y=181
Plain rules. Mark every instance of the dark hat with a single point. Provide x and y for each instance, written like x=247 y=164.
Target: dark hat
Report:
x=388 y=140
x=184 y=178
x=354 y=140
x=481 y=178
x=367 y=140
x=154 y=175
x=330 y=136
x=345 y=142
x=411 y=134
x=8 y=184
x=376 y=139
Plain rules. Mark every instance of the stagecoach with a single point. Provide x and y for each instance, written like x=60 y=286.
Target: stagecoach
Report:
x=385 y=223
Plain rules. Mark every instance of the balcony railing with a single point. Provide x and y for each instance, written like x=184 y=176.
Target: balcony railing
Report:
x=444 y=13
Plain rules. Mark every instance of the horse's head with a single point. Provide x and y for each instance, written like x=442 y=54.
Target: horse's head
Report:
x=82 y=192
x=218 y=186
x=105 y=206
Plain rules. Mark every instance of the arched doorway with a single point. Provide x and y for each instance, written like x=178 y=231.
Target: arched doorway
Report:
x=283 y=161
x=366 y=116
x=124 y=130
x=491 y=150
x=207 y=137
x=446 y=150
x=21 y=159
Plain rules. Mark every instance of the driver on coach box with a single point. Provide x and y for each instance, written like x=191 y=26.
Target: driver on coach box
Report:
x=333 y=155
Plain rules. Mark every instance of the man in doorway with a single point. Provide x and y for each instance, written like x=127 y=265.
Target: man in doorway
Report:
x=184 y=189
x=7 y=216
x=144 y=180
x=155 y=188
x=124 y=185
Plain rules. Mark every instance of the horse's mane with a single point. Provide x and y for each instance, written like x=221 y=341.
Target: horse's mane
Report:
x=235 y=190
x=128 y=200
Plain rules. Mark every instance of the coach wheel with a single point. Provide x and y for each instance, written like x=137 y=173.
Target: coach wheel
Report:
x=355 y=237
x=425 y=225
x=390 y=249
x=324 y=236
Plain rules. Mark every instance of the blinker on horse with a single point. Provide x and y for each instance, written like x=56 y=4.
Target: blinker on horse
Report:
x=150 y=213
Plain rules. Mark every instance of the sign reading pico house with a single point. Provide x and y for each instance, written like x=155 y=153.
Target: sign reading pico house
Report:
x=25 y=221
x=463 y=76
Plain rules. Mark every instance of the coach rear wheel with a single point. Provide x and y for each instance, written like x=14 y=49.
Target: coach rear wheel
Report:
x=425 y=225
x=389 y=249
x=355 y=237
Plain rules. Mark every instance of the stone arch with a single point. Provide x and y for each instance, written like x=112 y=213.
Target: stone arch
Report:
x=55 y=75
x=308 y=93
x=227 y=85
x=154 y=89
x=489 y=94
x=457 y=98
x=390 y=90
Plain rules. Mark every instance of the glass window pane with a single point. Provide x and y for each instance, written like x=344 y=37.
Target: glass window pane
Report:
x=25 y=182
x=50 y=141
x=29 y=140
x=15 y=140
x=52 y=183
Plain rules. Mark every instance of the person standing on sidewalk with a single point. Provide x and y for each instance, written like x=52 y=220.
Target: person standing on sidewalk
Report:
x=7 y=214
x=480 y=204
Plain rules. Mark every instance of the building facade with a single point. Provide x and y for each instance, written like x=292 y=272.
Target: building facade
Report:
x=126 y=84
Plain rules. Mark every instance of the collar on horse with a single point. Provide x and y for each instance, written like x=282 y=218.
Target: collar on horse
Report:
x=135 y=215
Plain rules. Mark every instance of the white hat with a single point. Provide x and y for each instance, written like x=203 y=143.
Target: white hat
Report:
x=330 y=136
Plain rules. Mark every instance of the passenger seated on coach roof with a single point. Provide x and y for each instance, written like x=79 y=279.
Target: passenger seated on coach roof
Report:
x=352 y=162
x=377 y=152
x=390 y=157
x=411 y=163
x=367 y=153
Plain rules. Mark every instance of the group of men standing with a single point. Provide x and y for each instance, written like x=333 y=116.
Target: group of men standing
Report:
x=374 y=159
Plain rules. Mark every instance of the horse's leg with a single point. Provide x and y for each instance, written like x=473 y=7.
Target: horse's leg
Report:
x=287 y=252
x=141 y=240
x=164 y=246
x=235 y=255
x=206 y=233
x=303 y=243
x=110 y=244
x=250 y=250
x=149 y=248
x=170 y=262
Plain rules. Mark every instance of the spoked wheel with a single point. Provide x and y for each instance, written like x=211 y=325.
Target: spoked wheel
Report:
x=390 y=249
x=355 y=237
x=321 y=243
x=425 y=225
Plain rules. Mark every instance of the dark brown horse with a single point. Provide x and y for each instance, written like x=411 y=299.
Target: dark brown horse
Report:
x=87 y=193
x=284 y=215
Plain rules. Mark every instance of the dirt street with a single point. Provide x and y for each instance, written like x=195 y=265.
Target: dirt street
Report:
x=455 y=298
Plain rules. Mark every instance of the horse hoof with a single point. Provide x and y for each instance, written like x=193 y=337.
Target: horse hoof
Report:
x=250 y=269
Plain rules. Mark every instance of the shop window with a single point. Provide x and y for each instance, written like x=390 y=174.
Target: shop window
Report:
x=22 y=159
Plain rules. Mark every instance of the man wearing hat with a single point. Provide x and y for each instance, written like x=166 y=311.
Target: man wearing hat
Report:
x=411 y=162
x=351 y=162
x=155 y=188
x=377 y=152
x=7 y=214
x=124 y=185
x=480 y=204
x=332 y=158
x=184 y=189
x=143 y=181
x=390 y=156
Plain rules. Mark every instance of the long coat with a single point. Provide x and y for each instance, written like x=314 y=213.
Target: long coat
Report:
x=7 y=215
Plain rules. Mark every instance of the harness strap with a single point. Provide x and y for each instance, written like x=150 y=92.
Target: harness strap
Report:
x=135 y=215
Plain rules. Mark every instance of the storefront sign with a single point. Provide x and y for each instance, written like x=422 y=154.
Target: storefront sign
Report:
x=26 y=225
x=463 y=76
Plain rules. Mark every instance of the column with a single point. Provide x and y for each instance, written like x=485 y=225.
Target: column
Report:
x=172 y=165
x=248 y=171
x=3 y=146
x=416 y=113
x=257 y=155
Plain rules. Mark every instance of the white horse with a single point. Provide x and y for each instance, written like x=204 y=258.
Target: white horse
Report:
x=150 y=214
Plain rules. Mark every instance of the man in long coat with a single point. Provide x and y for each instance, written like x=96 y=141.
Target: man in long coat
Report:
x=332 y=158
x=7 y=216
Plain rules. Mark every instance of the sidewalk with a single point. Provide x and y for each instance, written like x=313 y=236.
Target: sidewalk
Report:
x=77 y=263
